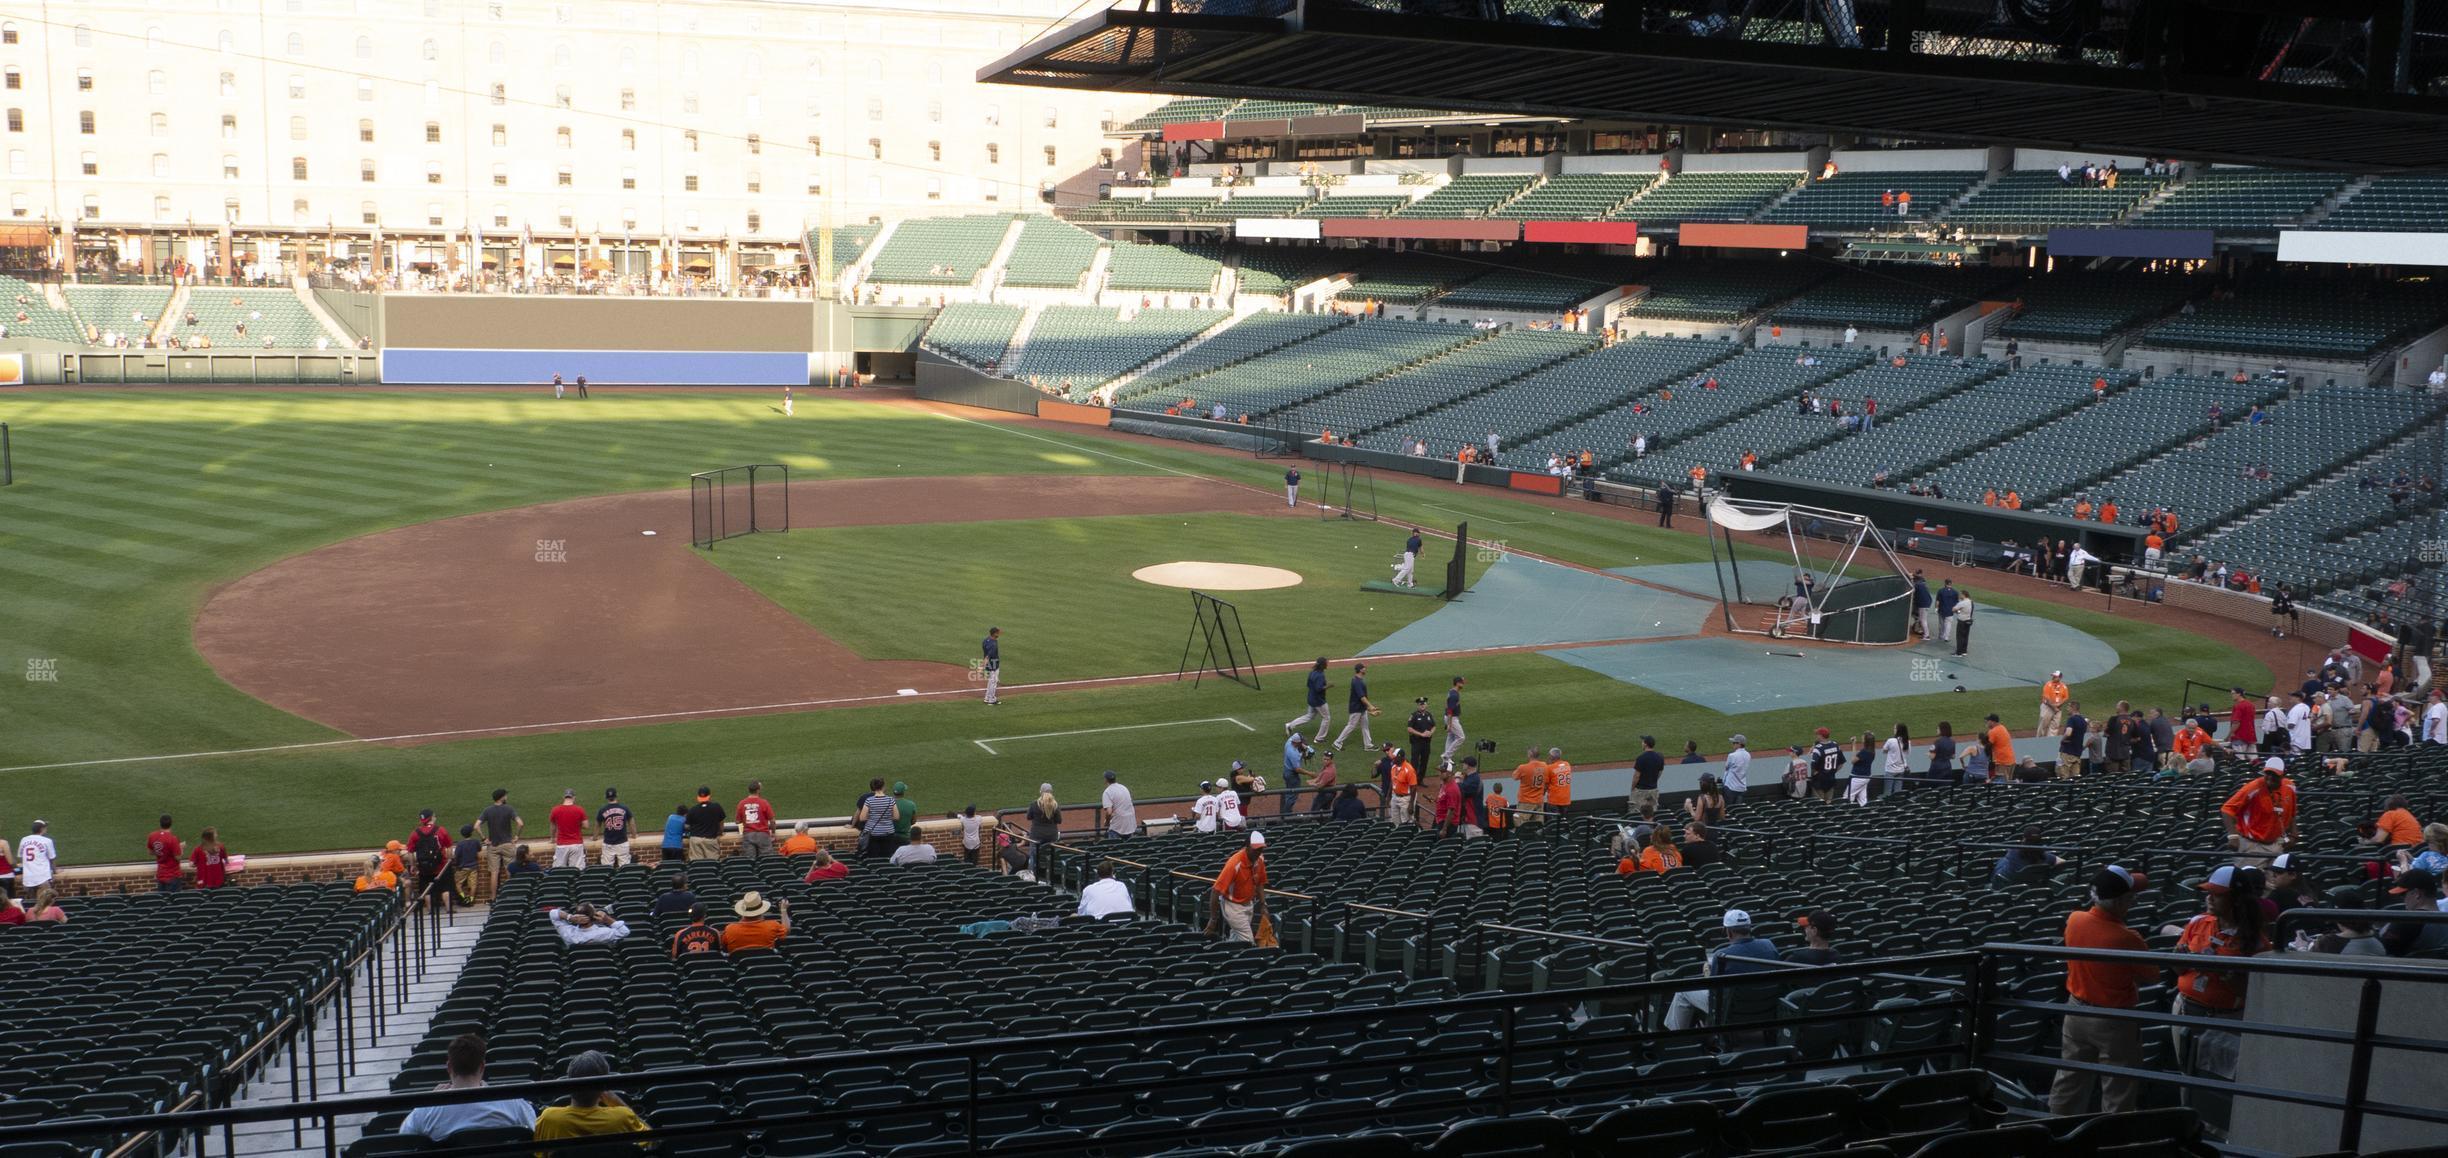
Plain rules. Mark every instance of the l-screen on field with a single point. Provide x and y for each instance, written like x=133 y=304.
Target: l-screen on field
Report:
x=386 y=601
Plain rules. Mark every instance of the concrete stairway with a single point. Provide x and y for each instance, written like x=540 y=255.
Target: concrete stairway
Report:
x=378 y=1061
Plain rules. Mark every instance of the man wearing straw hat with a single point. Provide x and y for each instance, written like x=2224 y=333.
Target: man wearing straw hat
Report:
x=756 y=927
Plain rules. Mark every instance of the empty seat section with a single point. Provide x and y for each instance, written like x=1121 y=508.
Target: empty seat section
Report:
x=1182 y=110
x=1050 y=254
x=1717 y=292
x=130 y=310
x=1089 y=346
x=2305 y=317
x=1901 y=299
x=1907 y=446
x=1408 y=278
x=1355 y=205
x=1563 y=392
x=1853 y=199
x=1678 y=409
x=2399 y=204
x=2132 y=421
x=1395 y=398
x=1248 y=338
x=2090 y=308
x=2240 y=200
x=1332 y=360
x=2034 y=200
x=939 y=250
x=270 y=317
x=1781 y=431
x=1160 y=269
x=974 y=332
x=2245 y=463
x=1241 y=205
x=1577 y=196
x=1469 y=195
x=1706 y=197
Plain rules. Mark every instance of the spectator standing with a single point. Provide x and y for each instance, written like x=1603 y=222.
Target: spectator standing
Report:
x=905 y=814
x=211 y=860
x=1121 y=816
x=569 y=831
x=1942 y=756
x=1924 y=604
x=592 y=1111
x=1105 y=897
x=2103 y=985
x=2234 y=924
x=429 y=852
x=613 y=823
x=1473 y=815
x=1240 y=890
x=675 y=835
x=1708 y=805
x=970 y=830
x=1998 y=744
x=502 y=827
x=2261 y=815
x=1963 y=622
x=1447 y=811
x=464 y=1065
x=1530 y=785
x=1895 y=758
x=1948 y=596
x=1326 y=786
x=1738 y=765
x=1045 y=824
x=756 y=816
x=1647 y=769
x=37 y=857
x=169 y=873
x=2070 y=739
x=757 y=927
x=2435 y=718
x=1827 y=766
x=704 y=824
x=878 y=817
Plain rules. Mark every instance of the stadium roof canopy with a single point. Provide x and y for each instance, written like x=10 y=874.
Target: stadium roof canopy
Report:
x=2332 y=84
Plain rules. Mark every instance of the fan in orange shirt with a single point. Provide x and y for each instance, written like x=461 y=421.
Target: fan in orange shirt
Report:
x=1530 y=781
x=376 y=877
x=2397 y=823
x=1559 y=780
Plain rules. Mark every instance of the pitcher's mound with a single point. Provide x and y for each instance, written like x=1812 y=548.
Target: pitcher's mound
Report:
x=1217 y=576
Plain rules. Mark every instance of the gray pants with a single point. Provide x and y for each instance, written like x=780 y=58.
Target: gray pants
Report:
x=756 y=844
x=2105 y=1042
x=1929 y=623
x=1358 y=720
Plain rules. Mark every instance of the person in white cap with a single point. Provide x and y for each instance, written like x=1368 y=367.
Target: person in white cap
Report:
x=1742 y=953
x=1203 y=809
x=1738 y=766
x=1240 y=891
x=1229 y=816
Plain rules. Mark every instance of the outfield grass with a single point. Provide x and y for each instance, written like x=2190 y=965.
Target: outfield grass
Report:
x=131 y=507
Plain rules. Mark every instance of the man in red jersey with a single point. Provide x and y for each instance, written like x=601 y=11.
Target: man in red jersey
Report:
x=569 y=832
x=755 y=815
x=169 y=874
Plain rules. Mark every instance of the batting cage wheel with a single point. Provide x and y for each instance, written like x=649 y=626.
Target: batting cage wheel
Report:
x=738 y=500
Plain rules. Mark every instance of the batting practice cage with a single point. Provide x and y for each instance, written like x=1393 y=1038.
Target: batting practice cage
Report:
x=1352 y=485
x=738 y=500
x=1216 y=644
x=1838 y=580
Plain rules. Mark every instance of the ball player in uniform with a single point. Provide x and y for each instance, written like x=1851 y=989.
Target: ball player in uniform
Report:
x=1292 y=487
x=1316 y=704
x=788 y=407
x=1357 y=710
x=993 y=647
x=1453 y=720
x=1410 y=560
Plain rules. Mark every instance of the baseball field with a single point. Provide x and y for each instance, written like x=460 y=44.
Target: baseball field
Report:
x=302 y=616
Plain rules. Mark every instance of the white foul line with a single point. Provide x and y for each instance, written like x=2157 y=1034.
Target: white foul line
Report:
x=990 y=740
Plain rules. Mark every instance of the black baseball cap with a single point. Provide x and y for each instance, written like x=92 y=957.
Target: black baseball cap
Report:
x=2416 y=880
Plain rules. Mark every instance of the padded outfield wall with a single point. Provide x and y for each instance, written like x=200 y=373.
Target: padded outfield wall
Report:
x=498 y=338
